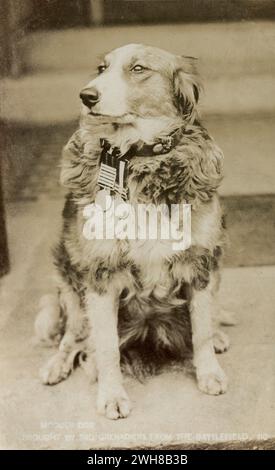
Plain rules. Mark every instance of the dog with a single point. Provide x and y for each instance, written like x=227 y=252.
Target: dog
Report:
x=138 y=303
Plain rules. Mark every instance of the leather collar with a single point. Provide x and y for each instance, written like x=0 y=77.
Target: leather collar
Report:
x=161 y=146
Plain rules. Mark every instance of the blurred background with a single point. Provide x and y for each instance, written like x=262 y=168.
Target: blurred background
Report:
x=48 y=50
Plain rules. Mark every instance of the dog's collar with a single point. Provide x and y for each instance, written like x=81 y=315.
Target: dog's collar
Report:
x=161 y=146
x=114 y=165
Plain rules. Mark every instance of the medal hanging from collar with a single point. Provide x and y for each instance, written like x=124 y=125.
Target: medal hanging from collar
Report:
x=111 y=177
x=113 y=166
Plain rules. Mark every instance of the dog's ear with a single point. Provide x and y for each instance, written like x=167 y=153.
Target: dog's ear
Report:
x=186 y=86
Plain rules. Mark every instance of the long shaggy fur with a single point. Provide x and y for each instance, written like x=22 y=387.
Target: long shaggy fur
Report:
x=154 y=320
x=151 y=329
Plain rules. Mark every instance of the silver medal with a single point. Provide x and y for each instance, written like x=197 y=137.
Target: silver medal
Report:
x=104 y=199
x=123 y=211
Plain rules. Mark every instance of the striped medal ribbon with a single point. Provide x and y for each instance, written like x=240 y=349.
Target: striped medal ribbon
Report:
x=111 y=178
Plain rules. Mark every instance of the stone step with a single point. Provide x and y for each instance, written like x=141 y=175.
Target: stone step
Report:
x=223 y=49
x=236 y=61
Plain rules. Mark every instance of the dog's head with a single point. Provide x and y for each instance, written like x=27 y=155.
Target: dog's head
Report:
x=142 y=81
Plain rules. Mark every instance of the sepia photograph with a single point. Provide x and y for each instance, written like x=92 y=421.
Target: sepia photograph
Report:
x=137 y=227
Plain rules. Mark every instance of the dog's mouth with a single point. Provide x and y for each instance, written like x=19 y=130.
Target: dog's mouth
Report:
x=125 y=118
x=91 y=113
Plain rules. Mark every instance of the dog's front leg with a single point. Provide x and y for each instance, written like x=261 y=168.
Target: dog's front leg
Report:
x=61 y=363
x=210 y=376
x=102 y=310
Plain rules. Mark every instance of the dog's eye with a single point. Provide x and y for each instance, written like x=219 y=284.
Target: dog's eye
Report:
x=101 y=68
x=138 y=69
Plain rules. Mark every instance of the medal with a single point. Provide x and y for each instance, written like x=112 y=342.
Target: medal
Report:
x=123 y=211
x=104 y=199
x=111 y=179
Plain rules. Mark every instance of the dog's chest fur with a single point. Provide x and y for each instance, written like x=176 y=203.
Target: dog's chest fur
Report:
x=189 y=173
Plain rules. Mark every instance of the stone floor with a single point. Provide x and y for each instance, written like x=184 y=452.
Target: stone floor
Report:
x=236 y=61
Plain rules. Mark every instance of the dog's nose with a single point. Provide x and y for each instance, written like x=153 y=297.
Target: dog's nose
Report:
x=89 y=96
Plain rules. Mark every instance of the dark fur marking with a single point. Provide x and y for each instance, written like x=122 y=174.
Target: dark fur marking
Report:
x=104 y=270
x=72 y=274
x=155 y=339
x=203 y=262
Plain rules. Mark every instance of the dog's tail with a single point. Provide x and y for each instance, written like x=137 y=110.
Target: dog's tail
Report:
x=148 y=343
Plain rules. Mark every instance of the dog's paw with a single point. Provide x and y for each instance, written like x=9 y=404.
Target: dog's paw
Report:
x=213 y=383
x=57 y=368
x=221 y=342
x=114 y=405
